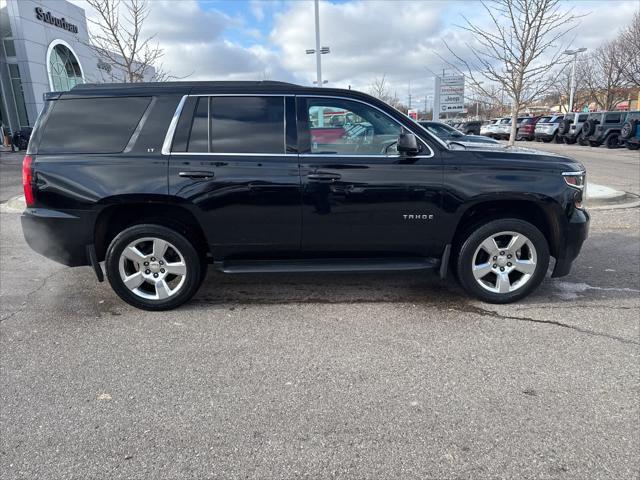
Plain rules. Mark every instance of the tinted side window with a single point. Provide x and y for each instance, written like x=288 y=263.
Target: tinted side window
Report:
x=583 y=118
x=247 y=125
x=612 y=118
x=199 y=134
x=349 y=128
x=92 y=125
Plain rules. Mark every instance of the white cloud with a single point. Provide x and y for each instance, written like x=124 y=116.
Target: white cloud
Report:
x=368 y=39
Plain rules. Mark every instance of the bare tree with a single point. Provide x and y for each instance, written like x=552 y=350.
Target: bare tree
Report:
x=118 y=41
x=603 y=76
x=518 y=51
x=381 y=89
x=629 y=51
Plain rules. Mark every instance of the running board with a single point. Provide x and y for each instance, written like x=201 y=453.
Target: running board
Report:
x=328 y=265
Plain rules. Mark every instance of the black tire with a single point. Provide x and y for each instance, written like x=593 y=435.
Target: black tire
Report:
x=194 y=261
x=612 y=140
x=588 y=128
x=564 y=126
x=594 y=144
x=582 y=142
x=628 y=129
x=475 y=237
x=568 y=140
x=633 y=146
x=557 y=138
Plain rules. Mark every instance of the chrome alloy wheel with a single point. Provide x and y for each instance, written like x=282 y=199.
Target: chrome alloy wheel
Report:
x=152 y=268
x=504 y=262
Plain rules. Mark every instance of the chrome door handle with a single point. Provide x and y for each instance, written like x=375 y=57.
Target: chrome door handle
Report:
x=196 y=174
x=324 y=176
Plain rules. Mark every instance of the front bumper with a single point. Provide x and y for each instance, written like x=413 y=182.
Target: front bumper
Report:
x=577 y=231
x=59 y=236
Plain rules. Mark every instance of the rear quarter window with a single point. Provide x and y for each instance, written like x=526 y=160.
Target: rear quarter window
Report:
x=91 y=125
x=612 y=118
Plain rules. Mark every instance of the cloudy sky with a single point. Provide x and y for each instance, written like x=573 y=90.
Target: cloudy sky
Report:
x=267 y=39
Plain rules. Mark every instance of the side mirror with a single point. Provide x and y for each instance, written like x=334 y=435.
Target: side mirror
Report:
x=407 y=143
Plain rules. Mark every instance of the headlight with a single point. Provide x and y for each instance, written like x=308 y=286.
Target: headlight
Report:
x=574 y=179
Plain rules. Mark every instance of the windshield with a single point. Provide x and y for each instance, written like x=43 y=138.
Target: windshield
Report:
x=504 y=121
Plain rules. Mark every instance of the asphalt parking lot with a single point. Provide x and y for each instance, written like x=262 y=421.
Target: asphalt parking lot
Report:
x=326 y=376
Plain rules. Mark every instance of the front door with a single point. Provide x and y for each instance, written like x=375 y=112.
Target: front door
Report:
x=230 y=163
x=360 y=197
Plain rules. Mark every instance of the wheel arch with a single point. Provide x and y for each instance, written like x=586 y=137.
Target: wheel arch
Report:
x=118 y=213
x=543 y=214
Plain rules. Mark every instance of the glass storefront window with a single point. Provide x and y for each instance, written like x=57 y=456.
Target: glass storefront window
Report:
x=64 y=69
x=18 y=94
x=9 y=47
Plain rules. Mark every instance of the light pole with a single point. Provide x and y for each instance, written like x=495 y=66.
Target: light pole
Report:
x=477 y=85
x=573 y=73
x=318 y=50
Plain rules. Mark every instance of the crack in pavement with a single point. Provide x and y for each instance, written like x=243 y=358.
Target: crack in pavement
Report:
x=492 y=313
x=28 y=296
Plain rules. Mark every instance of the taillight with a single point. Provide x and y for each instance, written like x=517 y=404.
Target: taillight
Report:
x=574 y=179
x=27 y=179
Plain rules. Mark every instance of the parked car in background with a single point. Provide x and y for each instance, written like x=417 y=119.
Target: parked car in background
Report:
x=234 y=175
x=471 y=128
x=450 y=134
x=630 y=133
x=527 y=130
x=548 y=131
x=488 y=126
x=570 y=126
x=603 y=128
x=501 y=128
x=503 y=132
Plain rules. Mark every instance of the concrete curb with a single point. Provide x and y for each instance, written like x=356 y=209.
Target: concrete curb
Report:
x=14 y=205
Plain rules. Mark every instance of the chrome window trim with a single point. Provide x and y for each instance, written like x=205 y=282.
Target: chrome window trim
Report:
x=376 y=155
x=168 y=138
x=384 y=113
x=284 y=130
x=219 y=154
x=143 y=120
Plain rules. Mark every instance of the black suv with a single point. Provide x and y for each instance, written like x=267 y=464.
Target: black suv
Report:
x=603 y=128
x=160 y=180
x=630 y=133
x=471 y=128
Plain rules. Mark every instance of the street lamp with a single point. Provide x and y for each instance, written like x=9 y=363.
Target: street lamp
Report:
x=318 y=50
x=573 y=73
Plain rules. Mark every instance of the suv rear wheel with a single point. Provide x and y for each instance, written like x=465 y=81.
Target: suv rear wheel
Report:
x=153 y=267
x=612 y=141
x=503 y=260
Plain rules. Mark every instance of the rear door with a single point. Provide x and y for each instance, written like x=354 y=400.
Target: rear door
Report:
x=234 y=161
x=360 y=196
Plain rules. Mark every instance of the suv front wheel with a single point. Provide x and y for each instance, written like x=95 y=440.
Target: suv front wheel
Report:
x=503 y=261
x=153 y=267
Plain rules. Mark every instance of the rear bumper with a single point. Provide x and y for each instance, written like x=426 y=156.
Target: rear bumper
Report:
x=525 y=134
x=544 y=136
x=59 y=236
x=576 y=233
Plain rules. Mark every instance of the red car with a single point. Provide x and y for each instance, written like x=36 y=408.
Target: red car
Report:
x=527 y=128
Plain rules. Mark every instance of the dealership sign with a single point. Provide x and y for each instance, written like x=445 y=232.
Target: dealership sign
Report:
x=58 y=22
x=449 y=94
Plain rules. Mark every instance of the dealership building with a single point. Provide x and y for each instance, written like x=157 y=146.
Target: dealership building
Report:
x=44 y=47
